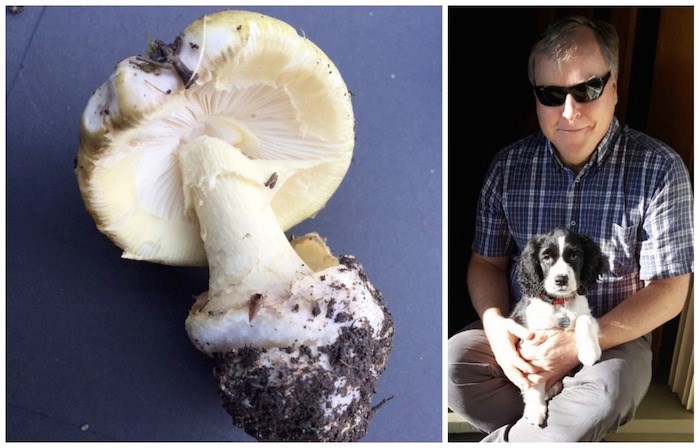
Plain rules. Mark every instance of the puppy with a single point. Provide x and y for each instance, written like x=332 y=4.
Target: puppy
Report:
x=556 y=270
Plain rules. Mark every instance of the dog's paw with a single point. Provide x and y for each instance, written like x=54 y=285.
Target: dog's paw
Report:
x=536 y=414
x=589 y=354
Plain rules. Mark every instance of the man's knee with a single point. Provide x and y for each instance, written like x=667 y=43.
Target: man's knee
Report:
x=608 y=393
x=464 y=370
x=603 y=406
x=611 y=401
x=628 y=375
x=460 y=348
x=468 y=346
x=624 y=391
x=477 y=389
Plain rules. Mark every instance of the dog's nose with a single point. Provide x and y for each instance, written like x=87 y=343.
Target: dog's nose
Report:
x=561 y=280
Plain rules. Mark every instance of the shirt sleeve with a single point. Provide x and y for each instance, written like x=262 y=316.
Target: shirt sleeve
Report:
x=667 y=247
x=491 y=235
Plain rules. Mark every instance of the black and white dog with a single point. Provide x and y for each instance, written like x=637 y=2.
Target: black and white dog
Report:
x=556 y=270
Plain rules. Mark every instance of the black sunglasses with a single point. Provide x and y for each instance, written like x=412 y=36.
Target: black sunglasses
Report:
x=583 y=93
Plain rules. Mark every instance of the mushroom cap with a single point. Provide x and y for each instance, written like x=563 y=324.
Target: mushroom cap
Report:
x=258 y=85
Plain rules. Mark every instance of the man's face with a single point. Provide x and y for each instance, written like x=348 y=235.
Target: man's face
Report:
x=575 y=128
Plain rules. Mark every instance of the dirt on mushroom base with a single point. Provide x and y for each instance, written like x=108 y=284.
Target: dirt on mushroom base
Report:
x=286 y=394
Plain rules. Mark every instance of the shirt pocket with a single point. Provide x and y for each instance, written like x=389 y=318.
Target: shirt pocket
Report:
x=621 y=249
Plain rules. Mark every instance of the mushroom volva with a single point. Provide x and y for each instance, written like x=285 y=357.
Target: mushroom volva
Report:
x=205 y=151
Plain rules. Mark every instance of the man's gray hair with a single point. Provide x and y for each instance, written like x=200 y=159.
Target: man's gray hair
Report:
x=558 y=42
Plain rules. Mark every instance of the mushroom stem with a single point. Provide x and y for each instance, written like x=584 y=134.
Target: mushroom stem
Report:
x=247 y=251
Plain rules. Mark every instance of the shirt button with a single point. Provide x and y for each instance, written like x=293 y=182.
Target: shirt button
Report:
x=572 y=224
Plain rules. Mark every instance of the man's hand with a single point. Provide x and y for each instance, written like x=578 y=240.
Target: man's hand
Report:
x=503 y=335
x=553 y=353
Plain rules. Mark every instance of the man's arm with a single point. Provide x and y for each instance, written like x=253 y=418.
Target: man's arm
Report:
x=487 y=279
x=646 y=310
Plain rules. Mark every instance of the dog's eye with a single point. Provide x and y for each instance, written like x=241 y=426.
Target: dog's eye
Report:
x=546 y=257
x=575 y=255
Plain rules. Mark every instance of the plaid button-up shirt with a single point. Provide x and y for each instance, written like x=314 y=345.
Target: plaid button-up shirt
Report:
x=633 y=197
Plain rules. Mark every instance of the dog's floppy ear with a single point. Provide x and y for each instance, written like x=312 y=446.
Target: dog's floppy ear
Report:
x=595 y=263
x=530 y=274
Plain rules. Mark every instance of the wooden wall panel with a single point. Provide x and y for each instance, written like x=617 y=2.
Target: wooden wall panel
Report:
x=671 y=107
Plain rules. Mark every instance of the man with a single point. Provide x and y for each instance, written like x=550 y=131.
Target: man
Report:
x=630 y=193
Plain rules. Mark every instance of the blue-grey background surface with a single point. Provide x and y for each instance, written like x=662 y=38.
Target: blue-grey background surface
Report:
x=96 y=346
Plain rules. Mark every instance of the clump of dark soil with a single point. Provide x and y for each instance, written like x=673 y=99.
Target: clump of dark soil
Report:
x=303 y=393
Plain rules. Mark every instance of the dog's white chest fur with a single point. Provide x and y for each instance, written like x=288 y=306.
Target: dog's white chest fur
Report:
x=541 y=315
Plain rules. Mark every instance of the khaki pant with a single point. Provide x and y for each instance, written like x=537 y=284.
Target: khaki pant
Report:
x=595 y=401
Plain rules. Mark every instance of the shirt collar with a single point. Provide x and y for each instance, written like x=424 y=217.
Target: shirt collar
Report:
x=604 y=148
